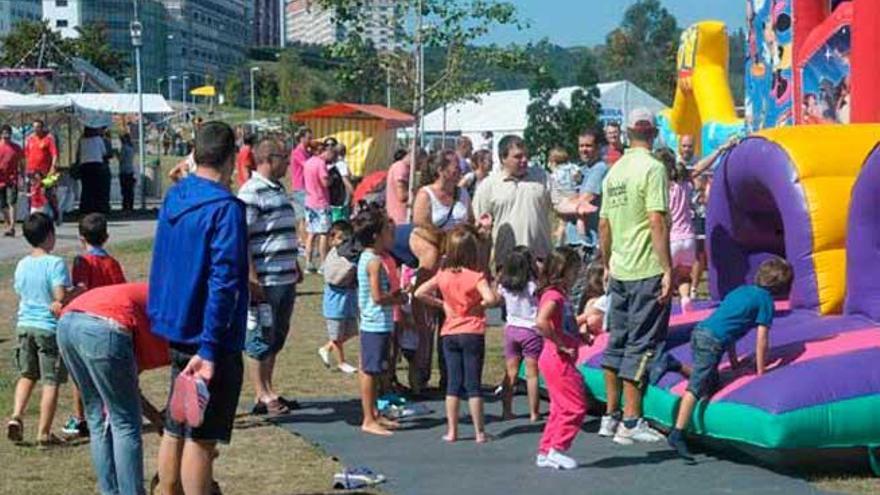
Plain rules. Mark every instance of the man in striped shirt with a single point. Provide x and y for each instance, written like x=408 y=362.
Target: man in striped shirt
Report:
x=274 y=271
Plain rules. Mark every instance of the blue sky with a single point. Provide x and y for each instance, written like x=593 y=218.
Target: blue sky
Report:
x=586 y=22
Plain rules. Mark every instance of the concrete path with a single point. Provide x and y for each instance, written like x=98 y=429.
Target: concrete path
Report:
x=67 y=237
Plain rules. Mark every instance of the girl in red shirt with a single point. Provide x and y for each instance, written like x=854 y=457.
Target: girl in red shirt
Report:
x=465 y=294
x=556 y=322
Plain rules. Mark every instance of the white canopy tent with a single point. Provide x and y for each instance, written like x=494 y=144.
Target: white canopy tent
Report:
x=109 y=103
x=504 y=112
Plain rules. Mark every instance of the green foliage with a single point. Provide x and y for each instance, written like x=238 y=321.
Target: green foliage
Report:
x=552 y=125
x=643 y=49
x=21 y=48
x=232 y=88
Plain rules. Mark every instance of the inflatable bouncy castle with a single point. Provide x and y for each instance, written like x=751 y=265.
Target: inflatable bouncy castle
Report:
x=805 y=185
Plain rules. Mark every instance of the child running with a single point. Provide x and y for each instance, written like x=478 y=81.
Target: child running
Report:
x=465 y=294
x=374 y=230
x=340 y=298
x=568 y=399
x=92 y=269
x=41 y=280
x=519 y=288
x=741 y=310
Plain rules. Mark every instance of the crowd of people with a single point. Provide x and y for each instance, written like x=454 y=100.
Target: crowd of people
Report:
x=413 y=270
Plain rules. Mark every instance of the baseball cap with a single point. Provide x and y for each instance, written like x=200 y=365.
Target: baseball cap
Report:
x=640 y=117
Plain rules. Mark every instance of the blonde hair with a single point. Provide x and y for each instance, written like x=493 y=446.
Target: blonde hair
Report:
x=462 y=248
x=557 y=155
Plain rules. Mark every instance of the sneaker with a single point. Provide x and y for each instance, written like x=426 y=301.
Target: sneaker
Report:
x=555 y=460
x=356 y=478
x=676 y=441
x=75 y=427
x=609 y=426
x=347 y=369
x=642 y=433
x=324 y=354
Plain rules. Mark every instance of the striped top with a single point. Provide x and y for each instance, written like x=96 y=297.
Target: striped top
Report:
x=374 y=318
x=271 y=222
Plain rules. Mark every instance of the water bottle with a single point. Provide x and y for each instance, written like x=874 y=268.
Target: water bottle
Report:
x=265 y=318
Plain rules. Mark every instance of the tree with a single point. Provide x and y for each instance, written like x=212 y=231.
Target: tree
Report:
x=448 y=34
x=643 y=49
x=92 y=45
x=560 y=125
x=232 y=88
x=21 y=46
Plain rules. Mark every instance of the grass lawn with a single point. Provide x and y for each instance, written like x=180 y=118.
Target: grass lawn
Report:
x=261 y=458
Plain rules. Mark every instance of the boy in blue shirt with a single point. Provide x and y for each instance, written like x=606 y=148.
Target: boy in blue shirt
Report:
x=746 y=307
x=340 y=305
x=41 y=280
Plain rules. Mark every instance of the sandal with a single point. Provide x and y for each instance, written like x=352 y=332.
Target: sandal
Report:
x=276 y=408
x=9 y=233
x=290 y=404
x=15 y=430
x=49 y=442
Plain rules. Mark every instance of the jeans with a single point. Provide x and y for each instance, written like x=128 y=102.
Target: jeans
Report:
x=95 y=197
x=101 y=360
x=126 y=187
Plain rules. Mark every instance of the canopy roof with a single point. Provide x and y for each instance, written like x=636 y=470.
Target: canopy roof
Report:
x=204 y=91
x=505 y=111
x=392 y=118
x=109 y=103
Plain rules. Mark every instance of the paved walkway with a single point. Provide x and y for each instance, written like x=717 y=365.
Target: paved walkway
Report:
x=417 y=462
x=67 y=237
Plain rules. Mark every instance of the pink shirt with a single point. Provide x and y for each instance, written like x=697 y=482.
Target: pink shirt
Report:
x=552 y=294
x=298 y=158
x=680 y=212
x=399 y=172
x=315 y=178
x=462 y=302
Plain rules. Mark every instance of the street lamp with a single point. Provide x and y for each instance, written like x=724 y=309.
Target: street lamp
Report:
x=159 y=81
x=185 y=79
x=137 y=42
x=171 y=80
x=253 y=109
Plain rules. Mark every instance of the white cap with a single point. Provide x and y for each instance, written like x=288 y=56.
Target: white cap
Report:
x=640 y=117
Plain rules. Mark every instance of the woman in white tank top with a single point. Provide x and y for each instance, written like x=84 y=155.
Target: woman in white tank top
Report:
x=441 y=202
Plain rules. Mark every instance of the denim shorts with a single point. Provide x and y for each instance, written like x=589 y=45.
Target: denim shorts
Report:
x=375 y=352
x=224 y=388
x=261 y=342
x=318 y=220
x=707 y=352
x=637 y=326
x=298 y=200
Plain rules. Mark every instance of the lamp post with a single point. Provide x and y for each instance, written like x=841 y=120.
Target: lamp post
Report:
x=137 y=42
x=159 y=81
x=185 y=87
x=171 y=80
x=253 y=99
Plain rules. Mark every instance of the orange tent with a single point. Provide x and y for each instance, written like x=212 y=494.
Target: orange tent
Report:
x=368 y=131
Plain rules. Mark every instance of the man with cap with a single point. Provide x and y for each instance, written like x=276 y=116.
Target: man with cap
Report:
x=635 y=244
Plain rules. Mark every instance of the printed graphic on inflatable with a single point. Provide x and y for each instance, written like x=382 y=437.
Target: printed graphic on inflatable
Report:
x=826 y=83
x=768 y=100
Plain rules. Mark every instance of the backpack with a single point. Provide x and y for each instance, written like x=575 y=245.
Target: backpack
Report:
x=336 y=188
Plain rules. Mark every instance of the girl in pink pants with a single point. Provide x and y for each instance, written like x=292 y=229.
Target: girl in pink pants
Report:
x=556 y=322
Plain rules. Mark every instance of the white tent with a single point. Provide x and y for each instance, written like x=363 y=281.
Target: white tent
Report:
x=109 y=103
x=504 y=112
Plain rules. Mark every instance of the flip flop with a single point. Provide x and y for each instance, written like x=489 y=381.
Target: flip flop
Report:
x=49 y=442
x=15 y=430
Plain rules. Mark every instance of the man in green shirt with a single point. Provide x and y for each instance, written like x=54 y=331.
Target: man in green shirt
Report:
x=634 y=235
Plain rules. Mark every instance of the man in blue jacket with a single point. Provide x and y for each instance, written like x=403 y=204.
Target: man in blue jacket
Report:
x=198 y=302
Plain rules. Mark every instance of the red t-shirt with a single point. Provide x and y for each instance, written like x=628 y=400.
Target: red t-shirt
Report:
x=10 y=156
x=96 y=269
x=462 y=302
x=244 y=164
x=126 y=304
x=612 y=154
x=39 y=152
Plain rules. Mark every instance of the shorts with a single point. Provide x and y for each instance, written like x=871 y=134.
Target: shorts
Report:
x=707 y=352
x=375 y=352
x=318 y=221
x=339 y=329
x=700 y=231
x=637 y=325
x=522 y=342
x=37 y=357
x=298 y=200
x=224 y=388
x=684 y=252
x=8 y=196
x=262 y=342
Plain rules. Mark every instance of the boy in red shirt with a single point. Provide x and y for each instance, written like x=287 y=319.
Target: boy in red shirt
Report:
x=92 y=269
